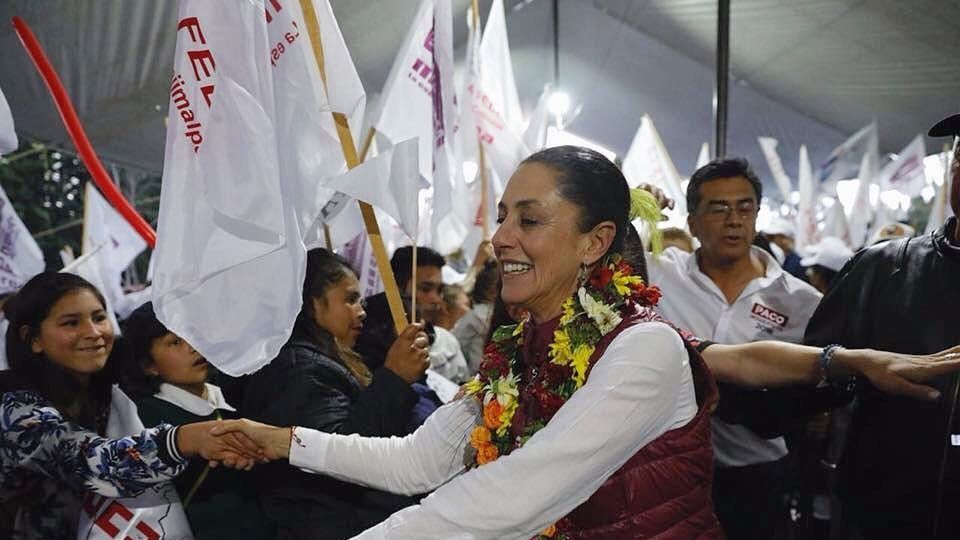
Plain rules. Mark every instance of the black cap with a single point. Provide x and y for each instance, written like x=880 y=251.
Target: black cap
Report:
x=948 y=127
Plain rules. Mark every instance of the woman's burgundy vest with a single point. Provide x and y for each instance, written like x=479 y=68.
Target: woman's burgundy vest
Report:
x=664 y=491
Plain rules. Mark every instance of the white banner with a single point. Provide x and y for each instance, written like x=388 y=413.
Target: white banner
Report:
x=807 y=234
x=844 y=161
x=769 y=147
x=154 y=515
x=861 y=215
x=647 y=161
x=905 y=174
x=229 y=260
x=8 y=135
x=104 y=226
x=20 y=256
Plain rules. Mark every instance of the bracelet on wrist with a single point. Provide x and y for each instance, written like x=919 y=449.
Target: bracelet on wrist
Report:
x=825 y=361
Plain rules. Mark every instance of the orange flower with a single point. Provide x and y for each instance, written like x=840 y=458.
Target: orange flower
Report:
x=491 y=414
x=487 y=453
x=549 y=532
x=479 y=436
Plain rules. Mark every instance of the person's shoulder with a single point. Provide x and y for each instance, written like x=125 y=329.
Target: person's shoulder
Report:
x=644 y=337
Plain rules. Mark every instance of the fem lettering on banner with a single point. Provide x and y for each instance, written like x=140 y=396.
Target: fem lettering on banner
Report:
x=204 y=66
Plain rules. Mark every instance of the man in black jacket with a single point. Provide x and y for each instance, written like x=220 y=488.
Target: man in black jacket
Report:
x=900 y=474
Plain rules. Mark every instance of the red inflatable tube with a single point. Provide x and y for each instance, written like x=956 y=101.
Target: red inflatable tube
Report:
x=80 y=140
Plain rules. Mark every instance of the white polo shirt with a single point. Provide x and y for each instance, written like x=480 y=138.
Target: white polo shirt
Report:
x=775 y=306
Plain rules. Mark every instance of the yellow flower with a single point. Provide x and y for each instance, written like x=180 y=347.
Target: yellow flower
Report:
x=506 y=418
x=473 y=386
x=549 y=532
x=581 y=360
x=560 y=352
x=622 y=282
x=568 y=312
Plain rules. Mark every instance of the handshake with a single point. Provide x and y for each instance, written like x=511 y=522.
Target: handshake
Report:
x=237 y=444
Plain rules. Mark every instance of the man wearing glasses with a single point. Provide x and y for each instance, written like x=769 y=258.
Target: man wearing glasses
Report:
x=730 y=292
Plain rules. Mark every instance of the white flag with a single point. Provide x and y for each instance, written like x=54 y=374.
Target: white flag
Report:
x=496 y=67
x=941 y=208
x=861 y=215
x=769 y=146
x=104 y=226
x=704 y=157
x=229 y=258
x=154 y=514
x=89 y=267
x=905 y=174
x=844 y=161
x=835 y=224
x=807 y=208
x=8 y=135
x=390 y=182
x=502 y=144
x=20 y=256
x=308 y=147
x=535 y=134
x=418 y=102
x=647 y=161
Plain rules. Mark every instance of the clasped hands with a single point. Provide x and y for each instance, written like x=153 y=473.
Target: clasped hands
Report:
x=237 y=444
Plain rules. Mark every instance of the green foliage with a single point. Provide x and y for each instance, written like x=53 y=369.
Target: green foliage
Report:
x=46 y=187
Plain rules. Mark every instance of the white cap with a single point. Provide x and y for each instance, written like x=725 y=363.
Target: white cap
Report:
x=891 y=231
x=830 y=253
x=779 y=225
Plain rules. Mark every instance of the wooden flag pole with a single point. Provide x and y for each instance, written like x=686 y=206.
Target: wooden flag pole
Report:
x=350 y=155
x=481 y=156
x=413 y=284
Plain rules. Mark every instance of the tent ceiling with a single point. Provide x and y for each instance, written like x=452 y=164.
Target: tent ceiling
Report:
x=806 y=71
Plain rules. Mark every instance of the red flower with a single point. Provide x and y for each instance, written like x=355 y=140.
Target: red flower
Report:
x=648 y=296
x=494 y=360
x=600 y=276
x=624 y=268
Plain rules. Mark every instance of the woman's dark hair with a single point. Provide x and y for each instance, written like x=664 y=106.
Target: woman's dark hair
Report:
x=140 y=330
x=592 y=182
x=402 y=263
x=486 y=286
x=26 y=311
x=634 y=253
x=324 y=270
x=721 y=168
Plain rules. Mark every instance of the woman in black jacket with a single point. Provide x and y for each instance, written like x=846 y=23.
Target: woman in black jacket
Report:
x=318 y=381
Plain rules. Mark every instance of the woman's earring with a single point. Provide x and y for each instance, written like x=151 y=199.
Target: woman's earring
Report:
x=582 y=275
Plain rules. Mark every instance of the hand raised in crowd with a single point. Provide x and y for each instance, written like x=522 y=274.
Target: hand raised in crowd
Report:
x=662 y=199
x=409 y=356
x=483 y=254
x=899 y=374
x=273 y=442
x=233 y=450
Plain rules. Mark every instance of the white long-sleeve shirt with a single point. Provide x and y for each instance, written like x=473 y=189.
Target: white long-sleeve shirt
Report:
x=639 y=389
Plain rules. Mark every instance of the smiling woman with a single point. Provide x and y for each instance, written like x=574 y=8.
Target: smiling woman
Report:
x=53 y=412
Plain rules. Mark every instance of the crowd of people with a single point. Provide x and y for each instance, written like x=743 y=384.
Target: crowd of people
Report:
x=608 y=391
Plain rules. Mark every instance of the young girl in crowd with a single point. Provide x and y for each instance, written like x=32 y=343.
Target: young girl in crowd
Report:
x=54 y=403
x=318 y=381
x=167 y=379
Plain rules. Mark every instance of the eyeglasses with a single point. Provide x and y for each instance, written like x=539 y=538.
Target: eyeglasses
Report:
x=721 y=210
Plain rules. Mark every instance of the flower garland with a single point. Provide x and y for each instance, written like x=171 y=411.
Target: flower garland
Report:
x=610 y=293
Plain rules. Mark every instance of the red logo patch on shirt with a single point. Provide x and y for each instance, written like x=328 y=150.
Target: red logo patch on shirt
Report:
x=770 y=316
